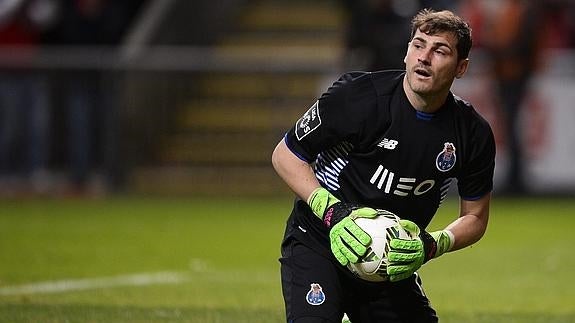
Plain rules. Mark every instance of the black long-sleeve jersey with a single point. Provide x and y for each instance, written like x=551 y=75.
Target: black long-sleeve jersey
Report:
x=370 y=147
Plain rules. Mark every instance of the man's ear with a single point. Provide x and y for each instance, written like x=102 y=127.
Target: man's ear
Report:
x=405 y=57
x=462 y=68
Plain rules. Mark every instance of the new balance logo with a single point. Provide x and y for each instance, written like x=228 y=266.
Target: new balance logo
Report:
x=388 y=144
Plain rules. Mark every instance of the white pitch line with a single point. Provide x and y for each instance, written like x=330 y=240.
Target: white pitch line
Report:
x=141 y=279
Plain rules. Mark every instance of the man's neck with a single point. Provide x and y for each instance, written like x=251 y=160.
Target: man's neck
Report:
x=424 y=103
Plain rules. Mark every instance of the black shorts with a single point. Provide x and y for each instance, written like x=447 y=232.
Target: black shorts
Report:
x=317 y=289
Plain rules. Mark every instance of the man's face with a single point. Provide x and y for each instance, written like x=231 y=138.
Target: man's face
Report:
x=431 y=63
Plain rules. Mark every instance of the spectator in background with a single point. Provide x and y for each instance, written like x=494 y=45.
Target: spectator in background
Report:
x=24 y=99
x=86 y=111
x=377 y=29
x=376 y=33
x=560 y=23
x=513 y=45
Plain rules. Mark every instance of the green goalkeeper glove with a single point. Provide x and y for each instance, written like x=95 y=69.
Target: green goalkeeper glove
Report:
x=348 y=241
x=407 y=256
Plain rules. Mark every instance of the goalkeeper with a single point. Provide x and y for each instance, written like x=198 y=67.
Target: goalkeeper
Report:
x=390 y=140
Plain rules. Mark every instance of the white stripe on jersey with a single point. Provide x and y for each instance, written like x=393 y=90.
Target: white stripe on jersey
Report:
x=330 y=163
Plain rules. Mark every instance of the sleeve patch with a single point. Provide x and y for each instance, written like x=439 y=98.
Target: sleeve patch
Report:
x=308 y=122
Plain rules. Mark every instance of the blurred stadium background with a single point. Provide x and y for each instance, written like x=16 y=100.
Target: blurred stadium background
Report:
x=105 y=104
x=186 y=97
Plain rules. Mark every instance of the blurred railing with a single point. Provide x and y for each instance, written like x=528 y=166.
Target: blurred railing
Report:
x=142 y=102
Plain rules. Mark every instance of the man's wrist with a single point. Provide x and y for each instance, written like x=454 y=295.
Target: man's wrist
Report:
x=436 y=243
x=444 y=240
x=319 y=200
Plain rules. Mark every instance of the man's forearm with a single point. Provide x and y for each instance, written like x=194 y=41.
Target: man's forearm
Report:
x=296 y=173
x=471 y=224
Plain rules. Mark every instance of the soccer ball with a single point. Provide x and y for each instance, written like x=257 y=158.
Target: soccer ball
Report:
x=373 y=265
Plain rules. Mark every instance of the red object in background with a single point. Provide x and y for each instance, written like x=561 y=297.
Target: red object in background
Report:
x=17 y=33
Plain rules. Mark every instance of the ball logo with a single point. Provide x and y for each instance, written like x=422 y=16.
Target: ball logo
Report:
x=315 y=296
x=446 y=158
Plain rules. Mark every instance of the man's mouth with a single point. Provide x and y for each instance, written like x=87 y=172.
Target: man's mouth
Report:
x=422 y=72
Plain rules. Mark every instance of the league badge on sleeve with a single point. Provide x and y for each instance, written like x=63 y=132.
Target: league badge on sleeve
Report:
x=309 y=122
x=315 y=296
x=446 y=158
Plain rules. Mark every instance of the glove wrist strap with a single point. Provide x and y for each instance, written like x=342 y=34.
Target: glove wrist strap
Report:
x=445 y=241
x=320 y=200
x=429 y=246
x=436 y=243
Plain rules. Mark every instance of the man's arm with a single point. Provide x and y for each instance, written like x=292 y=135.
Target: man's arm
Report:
x=472 y=222
x=348 y=241
x=296 y=173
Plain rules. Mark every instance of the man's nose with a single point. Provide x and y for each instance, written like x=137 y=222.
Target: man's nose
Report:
x=424 y=57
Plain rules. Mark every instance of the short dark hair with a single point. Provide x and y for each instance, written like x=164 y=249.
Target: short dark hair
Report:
x=432 y=22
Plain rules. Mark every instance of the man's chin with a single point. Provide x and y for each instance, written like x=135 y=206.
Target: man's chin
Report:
x=421 y=89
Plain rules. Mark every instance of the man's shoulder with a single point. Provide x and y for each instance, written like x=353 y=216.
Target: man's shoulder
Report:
x=388 y=75
x=462 y=103
x=384 y=82
x=465 y=109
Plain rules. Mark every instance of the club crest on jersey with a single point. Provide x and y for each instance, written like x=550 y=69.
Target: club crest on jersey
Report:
x=315 y=296
x=446 y=158
x=308 y=122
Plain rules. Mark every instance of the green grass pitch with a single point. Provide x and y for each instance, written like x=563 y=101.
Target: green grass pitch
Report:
x=215 y=260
